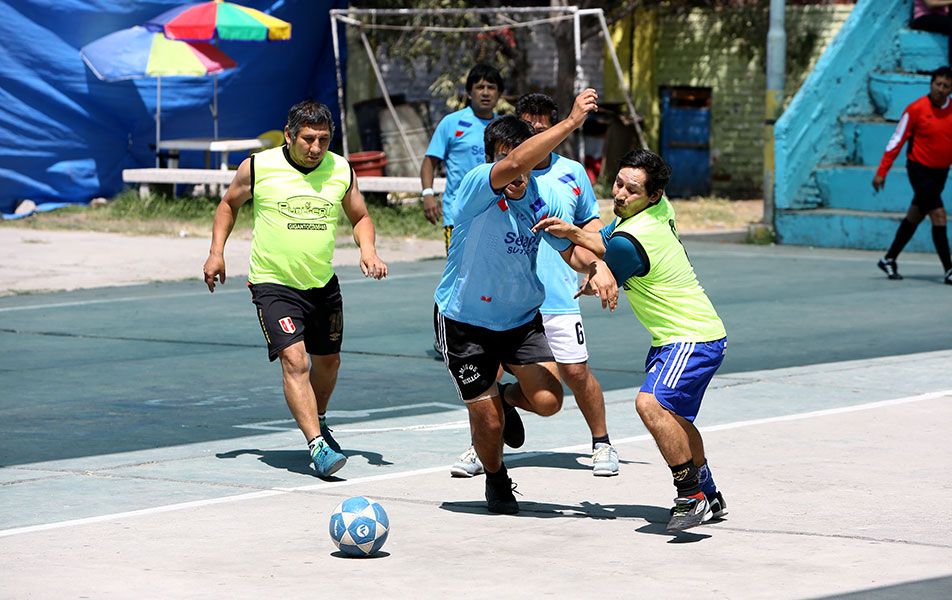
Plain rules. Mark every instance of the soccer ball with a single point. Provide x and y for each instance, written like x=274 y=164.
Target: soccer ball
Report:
x=359 y=526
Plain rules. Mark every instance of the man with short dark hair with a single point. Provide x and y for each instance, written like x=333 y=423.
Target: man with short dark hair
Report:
x=487 y=302
x=688 y=339
x=299 y=190
x=927 y=123
x=563 y=183
x=458 y=143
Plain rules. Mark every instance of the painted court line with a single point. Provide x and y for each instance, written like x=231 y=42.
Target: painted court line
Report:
x=289 y=424
x=242 y=290
x=397 y=475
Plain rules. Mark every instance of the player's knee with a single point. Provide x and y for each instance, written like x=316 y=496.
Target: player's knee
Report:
x=294 y=363
x=327 y=362
x=574 y=375
x=547 y=402
x=647 y=406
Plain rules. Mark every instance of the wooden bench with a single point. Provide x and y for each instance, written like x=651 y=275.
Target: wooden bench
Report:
x=218 y=177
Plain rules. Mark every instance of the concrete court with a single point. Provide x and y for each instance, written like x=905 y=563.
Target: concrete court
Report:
x=824 y=461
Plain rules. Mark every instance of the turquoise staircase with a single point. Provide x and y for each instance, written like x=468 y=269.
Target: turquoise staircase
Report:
x=830 y=139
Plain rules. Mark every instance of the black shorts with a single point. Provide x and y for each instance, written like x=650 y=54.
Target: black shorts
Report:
x=473 y=354
x=288 y=315
x=927 y=183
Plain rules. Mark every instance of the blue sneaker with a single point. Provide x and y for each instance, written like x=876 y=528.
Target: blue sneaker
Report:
x=326 y=434
x=327 y=461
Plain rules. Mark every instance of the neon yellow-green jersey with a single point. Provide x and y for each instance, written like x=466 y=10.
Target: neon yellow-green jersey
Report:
x=647 y=258
x=295 y=218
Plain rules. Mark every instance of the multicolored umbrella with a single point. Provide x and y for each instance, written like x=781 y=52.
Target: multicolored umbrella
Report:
x=219 y=20
x=136 y=53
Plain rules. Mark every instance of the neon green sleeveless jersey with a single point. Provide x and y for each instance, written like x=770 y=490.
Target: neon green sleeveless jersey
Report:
x=295 y=219
x=668 y=300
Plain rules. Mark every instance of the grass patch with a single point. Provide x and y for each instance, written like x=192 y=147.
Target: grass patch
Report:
x=186 y=216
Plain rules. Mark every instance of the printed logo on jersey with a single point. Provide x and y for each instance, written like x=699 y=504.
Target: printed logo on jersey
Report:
x=569 y=180
x=538 y=205
x=502 y=205
x=486 y=298
x=468 y=374
x=306 y=208
x=521 y=244
x=461 y=126
x=287 y=325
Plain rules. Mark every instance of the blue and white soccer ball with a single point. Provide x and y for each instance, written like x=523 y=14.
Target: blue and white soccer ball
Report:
x=359 y=526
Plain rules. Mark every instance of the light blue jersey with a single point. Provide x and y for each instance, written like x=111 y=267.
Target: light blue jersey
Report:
x=490 y=275
x=458 y=142
x=563 y=183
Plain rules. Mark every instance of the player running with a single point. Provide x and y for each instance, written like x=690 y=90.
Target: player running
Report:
x=563 y=182
x=487 y=303
x=688 y=339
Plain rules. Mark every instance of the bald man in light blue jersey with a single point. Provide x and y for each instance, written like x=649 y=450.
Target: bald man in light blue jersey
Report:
x=563 y=183
x=487 y=303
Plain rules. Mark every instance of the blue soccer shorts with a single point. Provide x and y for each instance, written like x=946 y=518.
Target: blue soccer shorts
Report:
x=679 y=373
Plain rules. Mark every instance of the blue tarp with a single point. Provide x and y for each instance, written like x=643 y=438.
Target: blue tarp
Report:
x=65 y=136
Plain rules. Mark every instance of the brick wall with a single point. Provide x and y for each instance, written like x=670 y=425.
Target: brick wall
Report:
x=694 y=50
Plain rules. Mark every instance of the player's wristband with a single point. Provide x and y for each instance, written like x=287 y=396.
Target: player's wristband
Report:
x=428 y=192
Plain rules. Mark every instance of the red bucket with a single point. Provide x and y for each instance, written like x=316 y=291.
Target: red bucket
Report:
x=368 y=164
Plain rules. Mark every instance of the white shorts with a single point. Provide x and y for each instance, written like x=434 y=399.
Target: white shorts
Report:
x=566 y=338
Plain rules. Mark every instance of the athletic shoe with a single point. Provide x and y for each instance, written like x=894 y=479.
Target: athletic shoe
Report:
x=718 y=505
x=326 y=434
x=499 y=497
x=327 y=461
x=689 y=512
x=948 y=277
x=889 y=267
x=467 y=465
x=604 y=461
x=513 y=431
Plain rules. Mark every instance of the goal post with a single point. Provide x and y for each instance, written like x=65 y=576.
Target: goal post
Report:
x=548 y=14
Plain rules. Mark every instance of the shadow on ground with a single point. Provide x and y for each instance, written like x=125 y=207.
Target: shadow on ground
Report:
x=298 y=461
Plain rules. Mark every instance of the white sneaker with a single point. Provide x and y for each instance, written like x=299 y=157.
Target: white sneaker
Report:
x=604 y=460
x=467 y=465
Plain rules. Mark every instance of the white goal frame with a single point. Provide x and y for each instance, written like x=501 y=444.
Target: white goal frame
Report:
x=347 y=17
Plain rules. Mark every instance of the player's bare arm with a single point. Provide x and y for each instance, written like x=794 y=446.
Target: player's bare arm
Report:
x=591 y=240
x=364 y=234
x=239 y=192
x=532 y=151
x=431 y=208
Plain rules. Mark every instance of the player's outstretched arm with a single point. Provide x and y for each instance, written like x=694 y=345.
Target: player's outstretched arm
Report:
x=239 y=192
x=590 y=240
x=532 y=151
x=364 y=234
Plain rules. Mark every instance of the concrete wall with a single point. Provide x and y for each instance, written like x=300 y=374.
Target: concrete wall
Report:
x=808 y=133
x=667 y=48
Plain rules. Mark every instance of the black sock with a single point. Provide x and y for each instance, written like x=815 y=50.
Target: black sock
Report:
x=600 y=440
x=501 y=475
x=903 y=235
x=686 y=479
x=941 y=241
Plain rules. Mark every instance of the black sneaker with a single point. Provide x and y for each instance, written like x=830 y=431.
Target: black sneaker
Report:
x=513 y=431
x=888 y=265
x=326 y=434
x=689 y=512
x=499 y=496
x=718 y=505
x=948 y=277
